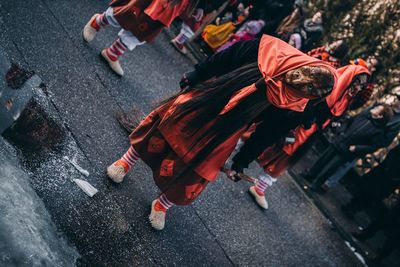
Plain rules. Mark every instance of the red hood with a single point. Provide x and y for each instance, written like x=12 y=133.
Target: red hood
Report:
x=276 y=57
x=338 y=100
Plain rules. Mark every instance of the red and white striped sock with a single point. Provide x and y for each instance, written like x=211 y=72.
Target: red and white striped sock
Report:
x=130 y=157
x=163 y=204
x=180 y=38
x=116 y=50
x=100 y=21
x=261 y=186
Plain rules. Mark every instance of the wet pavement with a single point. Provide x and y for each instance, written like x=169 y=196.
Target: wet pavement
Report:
x=81 y=95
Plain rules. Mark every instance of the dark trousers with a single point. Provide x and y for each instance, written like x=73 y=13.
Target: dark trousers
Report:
x=326 y=166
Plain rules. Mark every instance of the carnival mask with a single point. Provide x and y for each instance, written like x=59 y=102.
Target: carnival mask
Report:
x=311 y=80
x=359 y=83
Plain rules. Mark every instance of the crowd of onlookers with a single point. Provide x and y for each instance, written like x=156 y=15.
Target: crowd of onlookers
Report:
x=365 y=141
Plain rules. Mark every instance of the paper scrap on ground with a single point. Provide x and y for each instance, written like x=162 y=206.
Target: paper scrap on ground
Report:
x=86 y=187
x=79 y=168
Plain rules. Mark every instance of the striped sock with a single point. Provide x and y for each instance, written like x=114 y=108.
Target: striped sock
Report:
x=116 y=50
x=163 y=204
x=130 y=157
x=180 y=38
x=261 y=186
x=101 y=20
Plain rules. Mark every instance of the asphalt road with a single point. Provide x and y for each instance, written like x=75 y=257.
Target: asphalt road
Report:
x=222 y=228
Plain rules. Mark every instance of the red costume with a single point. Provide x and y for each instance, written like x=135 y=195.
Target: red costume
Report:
x=146 y=18
x=168 y=149
x=321 y=53
x=276 y=159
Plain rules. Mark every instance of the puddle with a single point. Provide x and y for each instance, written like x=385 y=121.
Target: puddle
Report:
x=17 y=76
x=35 y=132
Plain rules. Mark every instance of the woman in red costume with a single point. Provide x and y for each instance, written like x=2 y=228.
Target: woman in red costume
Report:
x=279 y=157
x=187 y=139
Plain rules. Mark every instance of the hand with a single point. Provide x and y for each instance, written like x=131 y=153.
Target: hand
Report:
x=184 y=82
x=237 y=167
x=236 y=178
x=352 y=148
x=188 y=79
x=198 y=14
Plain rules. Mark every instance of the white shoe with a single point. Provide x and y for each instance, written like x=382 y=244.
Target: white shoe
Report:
x=88 y=31
x=157 y=218
x=116 y=171
x=261 y=201
x=181 y=48
x=114 y=65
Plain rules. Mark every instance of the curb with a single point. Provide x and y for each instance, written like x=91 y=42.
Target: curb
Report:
x=335 y=225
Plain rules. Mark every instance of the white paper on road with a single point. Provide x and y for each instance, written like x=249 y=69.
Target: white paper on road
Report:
x=86 y=187
x=79 y=168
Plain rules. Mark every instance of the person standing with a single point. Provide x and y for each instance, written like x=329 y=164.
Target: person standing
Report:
x=363 y=134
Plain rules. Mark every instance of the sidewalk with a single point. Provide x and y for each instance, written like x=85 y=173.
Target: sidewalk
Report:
x=330 y=203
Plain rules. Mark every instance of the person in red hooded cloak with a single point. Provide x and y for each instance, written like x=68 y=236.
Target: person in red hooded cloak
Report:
x=140 y=21
x=276 y=159
x=189 y=136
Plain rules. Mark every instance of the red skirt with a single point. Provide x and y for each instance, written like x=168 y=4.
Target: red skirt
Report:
x=181 y=185
x=275 y=161
x=131 y=17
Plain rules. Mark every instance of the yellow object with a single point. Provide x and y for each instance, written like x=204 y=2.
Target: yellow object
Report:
x=217 y=35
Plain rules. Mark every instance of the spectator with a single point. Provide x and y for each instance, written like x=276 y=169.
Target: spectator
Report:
x=247 y=32
x=380 y=195
x=273 y=12
x=307 y=35
x=376 y=185
x=362 y=134
x=215 y=35
x=290 y=23
x=332 y=53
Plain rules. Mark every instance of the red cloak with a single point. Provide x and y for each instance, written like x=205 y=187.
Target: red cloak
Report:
x=275 y=57
x=165 y=146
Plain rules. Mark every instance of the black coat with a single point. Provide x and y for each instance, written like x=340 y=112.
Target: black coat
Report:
x=365 y=133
